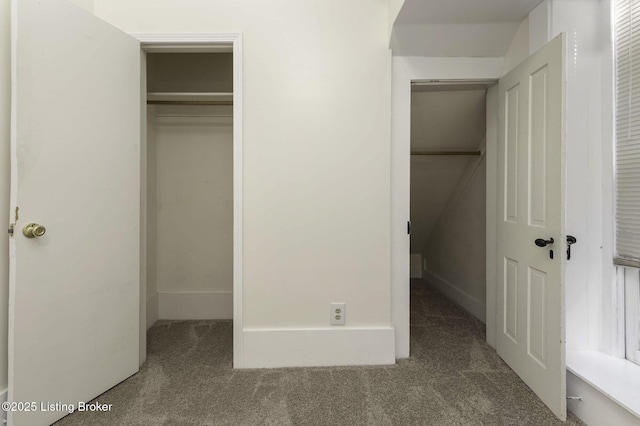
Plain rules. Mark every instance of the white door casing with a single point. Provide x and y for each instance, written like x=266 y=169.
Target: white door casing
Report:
x=74 y=292
x=531 y=186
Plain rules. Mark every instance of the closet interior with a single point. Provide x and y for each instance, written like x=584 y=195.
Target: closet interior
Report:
x=189 y=186
x=448 y=191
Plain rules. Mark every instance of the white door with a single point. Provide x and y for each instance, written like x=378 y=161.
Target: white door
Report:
x=74 y=291
x=530 y=320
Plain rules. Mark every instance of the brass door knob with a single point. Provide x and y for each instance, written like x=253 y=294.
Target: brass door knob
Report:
x=32 y=230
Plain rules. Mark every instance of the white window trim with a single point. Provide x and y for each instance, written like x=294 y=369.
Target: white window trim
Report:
x=631 y=282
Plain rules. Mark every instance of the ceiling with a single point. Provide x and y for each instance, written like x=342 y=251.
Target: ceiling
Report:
x=447 y=120
x=464 y=11
x=458 y=28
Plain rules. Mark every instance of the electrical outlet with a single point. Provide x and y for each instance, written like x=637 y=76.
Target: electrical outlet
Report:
x=338 y=313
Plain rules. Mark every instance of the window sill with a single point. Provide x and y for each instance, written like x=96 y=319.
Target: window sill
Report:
x=616 y=378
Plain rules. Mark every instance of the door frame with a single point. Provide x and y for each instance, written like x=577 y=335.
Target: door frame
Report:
x=196 y=43
x=406 y=70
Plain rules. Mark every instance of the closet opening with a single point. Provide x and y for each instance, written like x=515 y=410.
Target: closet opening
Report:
x=448 y=213
x=188 y=168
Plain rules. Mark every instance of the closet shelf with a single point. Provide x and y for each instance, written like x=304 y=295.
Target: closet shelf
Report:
x=190 y=98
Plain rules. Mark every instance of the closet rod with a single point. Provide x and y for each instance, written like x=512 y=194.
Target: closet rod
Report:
x=446 y=153
x=224 y=103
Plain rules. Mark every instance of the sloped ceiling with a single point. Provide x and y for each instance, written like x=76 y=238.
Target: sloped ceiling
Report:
x=458 y=28
x=464 y=11
x=447 y=120
x=440 y=120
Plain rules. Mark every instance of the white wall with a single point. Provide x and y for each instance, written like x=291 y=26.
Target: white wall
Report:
x=434 y=179
x=540 y=26
x=394 y=10
x=194 y=213
x=455 y=253
x=316 y=156
x=5 y=117
x=453 y=40
x=519 y=49
x=85 y=4
x=448 y=120
x=190 y=72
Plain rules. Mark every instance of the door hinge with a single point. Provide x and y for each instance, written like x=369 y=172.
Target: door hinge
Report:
x=409 y=227
x=13 y=225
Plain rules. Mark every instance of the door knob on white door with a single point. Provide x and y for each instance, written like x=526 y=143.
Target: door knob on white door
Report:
x=543 y=243
x=540 y=242
x=32 y=230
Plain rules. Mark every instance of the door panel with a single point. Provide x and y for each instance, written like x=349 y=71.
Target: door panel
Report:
x=530 y=335
x=74 y=292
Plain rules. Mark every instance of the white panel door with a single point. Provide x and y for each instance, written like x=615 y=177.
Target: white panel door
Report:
x=530 y=320
x=74 y=291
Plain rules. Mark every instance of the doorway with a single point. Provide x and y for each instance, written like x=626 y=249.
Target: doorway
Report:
x=448 y=195
x=191 y=196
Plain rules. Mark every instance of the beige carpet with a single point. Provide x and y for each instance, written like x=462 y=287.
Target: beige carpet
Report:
x=452 y=378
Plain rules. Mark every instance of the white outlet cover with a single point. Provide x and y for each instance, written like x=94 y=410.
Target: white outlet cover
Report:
x=337 y=314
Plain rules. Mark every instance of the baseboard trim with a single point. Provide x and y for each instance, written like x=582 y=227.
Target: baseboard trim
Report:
x=152 y=310
x=596 y=408
x=195 y=306
x=318 y=347
x=470 y=304
x=415 y=265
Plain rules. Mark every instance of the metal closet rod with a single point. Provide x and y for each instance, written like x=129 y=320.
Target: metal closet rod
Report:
x=219 y=103
x=467 y=153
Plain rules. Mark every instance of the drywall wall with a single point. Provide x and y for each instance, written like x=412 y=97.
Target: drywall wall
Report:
x=394 y=9
x=540 y=26
x=441 y=120
x=316 y=79
x=453 y=40
x=455 y=253
x=190 y=72
x=194 y=213
x=519 y=49
x=5 y=118
x=457 y=28
x=433 y=181
x=85 y=4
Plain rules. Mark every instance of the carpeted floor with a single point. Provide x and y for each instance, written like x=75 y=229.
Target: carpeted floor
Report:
x=452 y=378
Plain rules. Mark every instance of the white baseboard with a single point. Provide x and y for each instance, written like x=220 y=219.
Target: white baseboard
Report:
x=470 y=304
x=415 y=265
x=152 y=310
x=596 y=408
x=333 y=346
x=195 y=306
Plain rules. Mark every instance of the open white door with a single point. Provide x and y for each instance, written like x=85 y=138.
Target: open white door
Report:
x=531 y=158
x=74 y=292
